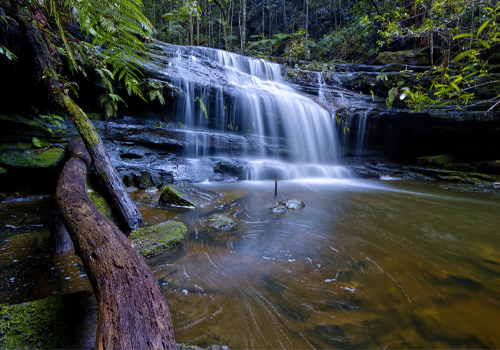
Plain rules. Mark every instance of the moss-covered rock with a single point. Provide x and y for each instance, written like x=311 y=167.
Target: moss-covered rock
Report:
x=16 y=128
x=44 y=324
x=464 y=167
x=221 y=222
x=411 y=57
x=186 y=195
x=437 y=161
x=149 y=241
x=33 y=159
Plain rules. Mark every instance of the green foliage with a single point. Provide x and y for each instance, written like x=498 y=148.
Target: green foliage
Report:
x=155 y=91
x=40 y=143
x=353 y=42
x=6 y=52
x=109 y=102
x=202 y=106
x=464 y=34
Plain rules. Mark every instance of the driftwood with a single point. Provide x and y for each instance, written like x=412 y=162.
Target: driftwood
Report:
x=132 y=312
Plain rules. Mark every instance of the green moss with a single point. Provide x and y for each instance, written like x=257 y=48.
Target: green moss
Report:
x=460 y=167
x=172 y=196
x=15 y=146
x=149 y=241
x=41 y=324
x=82 y=123
x=221 y=223
x=100 y=201
x=437 y=161
x=3 y=171
x=53 y=157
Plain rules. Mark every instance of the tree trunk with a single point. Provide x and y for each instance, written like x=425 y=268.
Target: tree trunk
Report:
x=307 y=24
x=112 y=182
x=132 y=313
x=244 y=25
x=106 y=171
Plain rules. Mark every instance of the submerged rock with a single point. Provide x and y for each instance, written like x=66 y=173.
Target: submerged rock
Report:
x=186 y=195
x=279 y=209
x=283 y=206
x=294 y=204
x=221 y=222
x=151 y=240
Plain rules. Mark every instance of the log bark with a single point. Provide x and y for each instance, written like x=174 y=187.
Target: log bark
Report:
x=47 y=67
x=106 y=171
x=132 y=312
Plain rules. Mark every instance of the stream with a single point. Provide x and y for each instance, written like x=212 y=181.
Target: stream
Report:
x=366 y=264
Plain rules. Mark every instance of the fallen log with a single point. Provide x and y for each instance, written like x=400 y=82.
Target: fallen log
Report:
x=132 y=312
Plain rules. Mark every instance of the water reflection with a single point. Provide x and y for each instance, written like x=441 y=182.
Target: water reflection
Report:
x=366 y=264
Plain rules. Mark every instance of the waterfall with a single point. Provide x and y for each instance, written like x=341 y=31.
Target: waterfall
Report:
x=360 y=144
x=222 y=93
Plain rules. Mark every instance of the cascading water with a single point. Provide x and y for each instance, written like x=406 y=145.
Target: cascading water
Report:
x=280 y=131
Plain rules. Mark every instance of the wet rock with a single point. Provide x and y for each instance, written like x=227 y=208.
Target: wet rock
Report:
x=366 y=173
x=33 y=159
x=22 y=128
x=285 y=205
x=294 y=204
x=166 y=177
x=279 y=209
x=186 y=195
x=228 y=167
x=437 y=161
x=130 y=177
x=151 y=240
x=221 y=222
x=147 y=178
x=62 y=322
x=464 y=167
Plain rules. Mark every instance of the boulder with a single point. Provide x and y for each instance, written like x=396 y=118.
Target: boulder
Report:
x=228 y=167
x=145 y=179
x=148 y=179
x=149 y=241
x=283 y=206
x=33 y=158
x=186 y=195
x=221 y=222
x=279 y=209
x=294 y=204
x=366 y=173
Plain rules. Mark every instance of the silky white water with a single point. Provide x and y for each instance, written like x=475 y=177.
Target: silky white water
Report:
x=234 y=94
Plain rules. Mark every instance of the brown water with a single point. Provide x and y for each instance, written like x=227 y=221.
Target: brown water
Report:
x=366 y=264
